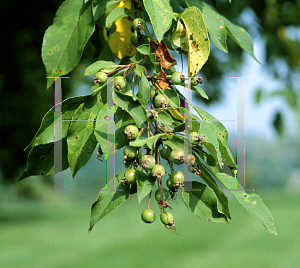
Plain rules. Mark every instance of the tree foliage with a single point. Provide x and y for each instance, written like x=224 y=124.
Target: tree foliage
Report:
x=147 y=100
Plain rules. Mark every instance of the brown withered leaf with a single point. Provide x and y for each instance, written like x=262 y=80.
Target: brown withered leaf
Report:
x=163 y=55
x=163 y=81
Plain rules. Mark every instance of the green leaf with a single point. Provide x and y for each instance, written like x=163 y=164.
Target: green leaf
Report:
x=250 y=201
x=214 y=23
x=200 y=91
x=203 y=203
x=122 y=119
x=164 y=118
x=144 y=184
x=144 y=89
x=210 y=140
x=144 y=49
x=108 y=201
x=134 y=108
x=104 y=6
x=98 y=65
x=174 y=142
x=174 y=101
x=139 y=70
x=40 y=160
x=241 y=37
x=101 y=132
x=137 y=58
x=45 y=133
x=176 y=114
x=106 y=54
x=116 y=14
x=81 y=138
x=220 y=132
x=179 y=36
x=161 y=14
x=139 y=142
x=216 y=27
x=208 y=177
x=197 y=36
x=151 y=141
x=66 y=38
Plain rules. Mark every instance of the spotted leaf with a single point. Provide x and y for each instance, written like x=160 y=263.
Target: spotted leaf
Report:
x=197 y=36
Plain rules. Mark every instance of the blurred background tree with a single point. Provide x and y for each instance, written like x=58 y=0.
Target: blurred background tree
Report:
x=25 y=99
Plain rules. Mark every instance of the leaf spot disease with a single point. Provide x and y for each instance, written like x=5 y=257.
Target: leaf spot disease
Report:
x=76 y=138
x=245 y=195
x=221 y=27
x=218 y=17
x=98 y=205
x=49 y=51
x=254 y=202
x=61 y=70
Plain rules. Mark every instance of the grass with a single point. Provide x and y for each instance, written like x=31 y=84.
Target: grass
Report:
x=54 y=234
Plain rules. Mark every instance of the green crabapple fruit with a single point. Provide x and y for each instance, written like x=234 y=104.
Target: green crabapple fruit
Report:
x=158 y=194
x=152 y=115
x=167 y=218
x=177 y=156
x=134 y=39
x=165 y=153
x=176 y=177
x=189 y=159
x=147 y=162
x=211 y=160
x=148 y=216
x=129 y=152
x=138 y=24
x=119 y=82
x=195 y=170
x=194 y=138
x=161 y=101
x=177 y=78
x=100 y=78
x=170 y=185
x=158 y=171
x=131 y=132
x=130 y=176
x=196 y=80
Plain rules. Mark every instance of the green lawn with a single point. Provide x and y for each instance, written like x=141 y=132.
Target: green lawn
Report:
x=54 y=234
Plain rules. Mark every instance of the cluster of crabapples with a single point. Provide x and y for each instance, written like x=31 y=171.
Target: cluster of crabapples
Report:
x=156 y=171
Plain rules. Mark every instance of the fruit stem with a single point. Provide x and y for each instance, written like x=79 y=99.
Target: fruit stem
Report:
x=119 y=68
x=149 y=200
x=161 y=190
x=141 y=132
x=171 y=165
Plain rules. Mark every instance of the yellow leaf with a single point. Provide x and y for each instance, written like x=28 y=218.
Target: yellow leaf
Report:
x=197 y=36
x=175 y=113
x=119 y=41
